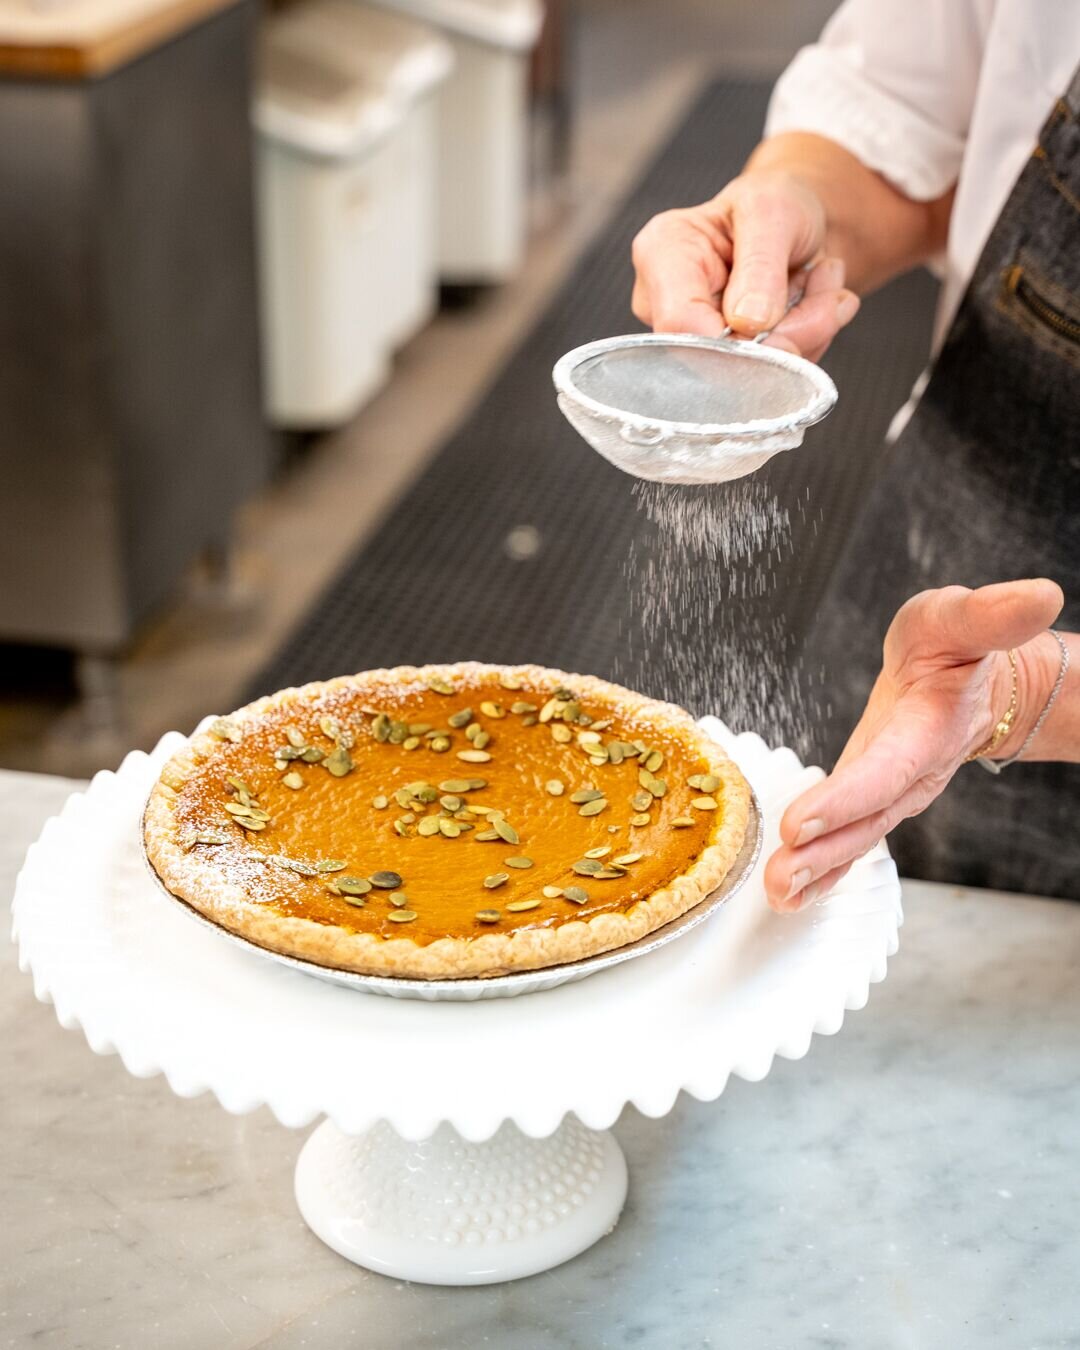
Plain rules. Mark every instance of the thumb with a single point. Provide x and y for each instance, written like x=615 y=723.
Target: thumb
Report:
x=771 y=237
x=960 y=625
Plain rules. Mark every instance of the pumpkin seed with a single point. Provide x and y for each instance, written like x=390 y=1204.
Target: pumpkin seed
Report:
x=239 y=785
x=704 y=803
x=654 y=761
x=451 y=804
x=642 y=818
x=380 y=728
x=449 y=829
x=572 y=711
x=338 y=762
x=353 y=885
x=311 y=754
x=552 y=892
x=519 y=708
x=520 y=906
x=548 y=711
x=520 y=862
x=602 y=725
x=438 y=685
x=398 y=733
x=586 y=795
x=488 y=915
x=593 y=808
x=295 y=737
x=610 y=873
x=402 y=915
x=561 y=733
x=504 y=830
x=600 y=852
x=294 y=865
x=485 y=836
x=481 y=741
x=460 y=719
x=398 y=899
x=293 y=780
x=529 y=720
x=380 y=803
x=357 y=900
x=387 y=881
x=455 y=785
x=401 y=829
x=615 y=753
x=704 y=782
x=440 y=744
x=410 y=743
x=641 y=801
x=495 y=710
x=208 y=837
x=554 y=787
x=329 y=726
x=653 y=785
x=587 y=867
x=286 y=752
x=225 y=729
x=331 y=865
x=625 y=859
x=496 y=880
x=510 y=682
x=471 y=732
x=428 y=826
x=588 y=738
x=419 y=728
x=575 y=895
x=474 y=756
x=682 y=823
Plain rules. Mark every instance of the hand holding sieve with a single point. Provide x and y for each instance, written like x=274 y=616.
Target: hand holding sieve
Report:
x=679 y=408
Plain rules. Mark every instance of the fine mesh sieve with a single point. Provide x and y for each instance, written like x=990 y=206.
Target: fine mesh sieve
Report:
x=677 y=408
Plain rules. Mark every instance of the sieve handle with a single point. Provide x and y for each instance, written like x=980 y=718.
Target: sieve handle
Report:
x=796 y=298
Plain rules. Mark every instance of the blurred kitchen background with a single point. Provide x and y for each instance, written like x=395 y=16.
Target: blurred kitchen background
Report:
x=258 y=262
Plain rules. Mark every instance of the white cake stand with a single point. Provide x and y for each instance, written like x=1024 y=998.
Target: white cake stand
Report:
x=465 y=1143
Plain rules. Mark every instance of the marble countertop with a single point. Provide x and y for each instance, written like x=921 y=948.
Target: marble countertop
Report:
x=911 y=1183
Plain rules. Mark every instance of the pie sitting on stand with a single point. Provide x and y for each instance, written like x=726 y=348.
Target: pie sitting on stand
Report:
x=447 y=822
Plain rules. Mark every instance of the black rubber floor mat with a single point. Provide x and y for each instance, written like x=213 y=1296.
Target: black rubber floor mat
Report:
x=514 y=544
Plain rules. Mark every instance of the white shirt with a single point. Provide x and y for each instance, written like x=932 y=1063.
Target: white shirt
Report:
x=929 y=93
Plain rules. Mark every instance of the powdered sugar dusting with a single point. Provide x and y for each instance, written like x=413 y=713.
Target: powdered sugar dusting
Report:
x=697 y=573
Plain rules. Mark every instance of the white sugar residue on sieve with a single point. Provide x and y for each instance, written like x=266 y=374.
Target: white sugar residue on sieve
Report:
x=699 y=572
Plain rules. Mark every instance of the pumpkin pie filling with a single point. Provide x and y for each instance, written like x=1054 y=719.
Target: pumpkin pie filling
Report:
x=448 y=806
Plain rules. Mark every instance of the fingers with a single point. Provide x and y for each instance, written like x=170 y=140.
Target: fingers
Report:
x=775 y=228
x=916 y=740
x=681 y=267
x=790 y=871
x=814 y=322
x=959 y=625
x=813 y=890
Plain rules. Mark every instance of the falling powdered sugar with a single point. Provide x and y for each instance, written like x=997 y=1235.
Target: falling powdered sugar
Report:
x=700 y=572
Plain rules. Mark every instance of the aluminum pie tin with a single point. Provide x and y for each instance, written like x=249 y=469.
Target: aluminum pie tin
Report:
x=500 y=986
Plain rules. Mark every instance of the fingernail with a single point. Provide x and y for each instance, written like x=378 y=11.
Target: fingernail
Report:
x=810 y=830
x=753 y=308
x=810 y=895
x=847 y=307
x=799 y=879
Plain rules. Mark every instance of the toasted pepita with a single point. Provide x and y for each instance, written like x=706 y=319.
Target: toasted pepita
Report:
x=496 y=879
x=554 y=787
x=460 y=719
x=293 y=780
x=520 y=862
x=593 y=808
x=488 y=915
x=504 y=829
x=575 y=895
x=704 y=803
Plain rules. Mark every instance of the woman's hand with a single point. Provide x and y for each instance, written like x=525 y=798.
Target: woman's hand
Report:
x=945 y=684
x=730 y=261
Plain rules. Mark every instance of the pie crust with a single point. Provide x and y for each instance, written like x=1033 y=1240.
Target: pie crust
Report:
x=230 y=875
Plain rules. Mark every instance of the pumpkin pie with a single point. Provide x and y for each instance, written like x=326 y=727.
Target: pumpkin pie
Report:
x=447 y=821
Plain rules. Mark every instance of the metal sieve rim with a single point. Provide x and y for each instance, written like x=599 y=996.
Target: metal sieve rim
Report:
x=564 y=370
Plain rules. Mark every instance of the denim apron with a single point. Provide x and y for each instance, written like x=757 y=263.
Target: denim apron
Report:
x=983 y=485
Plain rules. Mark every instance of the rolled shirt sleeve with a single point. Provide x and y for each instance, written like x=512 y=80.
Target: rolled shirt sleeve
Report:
x=893 y=82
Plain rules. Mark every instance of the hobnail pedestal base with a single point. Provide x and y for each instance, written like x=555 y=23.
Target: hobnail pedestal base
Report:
x=446 y=1211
